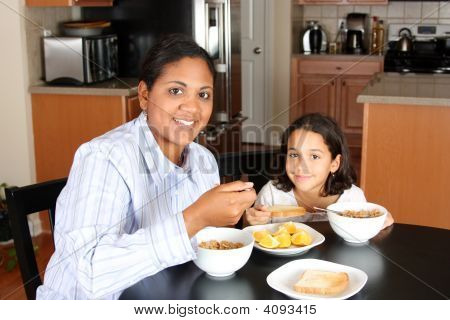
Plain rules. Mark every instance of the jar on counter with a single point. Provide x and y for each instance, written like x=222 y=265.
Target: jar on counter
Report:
x=332 y=48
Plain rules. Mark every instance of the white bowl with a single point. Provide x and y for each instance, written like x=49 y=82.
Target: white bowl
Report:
x=356 y=230
x=222 y=263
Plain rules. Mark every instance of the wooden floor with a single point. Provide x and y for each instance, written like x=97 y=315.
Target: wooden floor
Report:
x=11 y=287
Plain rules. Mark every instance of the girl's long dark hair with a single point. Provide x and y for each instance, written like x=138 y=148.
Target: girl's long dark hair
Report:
x=337 y=144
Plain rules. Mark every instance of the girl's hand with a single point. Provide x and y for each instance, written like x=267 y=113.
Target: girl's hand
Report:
x=257 y=215
x=389 y=221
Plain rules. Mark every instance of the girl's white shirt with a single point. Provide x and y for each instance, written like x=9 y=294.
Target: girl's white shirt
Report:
x=271 y=195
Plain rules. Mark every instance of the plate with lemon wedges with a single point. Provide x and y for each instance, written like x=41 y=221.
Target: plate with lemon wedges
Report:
x=284 y=239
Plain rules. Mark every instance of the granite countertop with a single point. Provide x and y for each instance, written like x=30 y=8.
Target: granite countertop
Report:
x=340 y=57
x=114 y=87
x=408 y=89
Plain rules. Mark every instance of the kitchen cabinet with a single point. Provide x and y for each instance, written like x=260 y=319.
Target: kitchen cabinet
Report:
x=69 y=3
x=315 y=93
x=342 y=2
x=406 y=141
x=62 y=122
x=330 y=86
x=351 y=112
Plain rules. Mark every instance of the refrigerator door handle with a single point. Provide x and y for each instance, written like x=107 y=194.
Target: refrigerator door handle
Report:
x=221 y=67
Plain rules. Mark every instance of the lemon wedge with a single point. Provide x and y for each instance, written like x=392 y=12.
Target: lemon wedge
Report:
x=290 y=227
x=258 y=235
x=284 y=239
x=301 y=238
x=269 y=242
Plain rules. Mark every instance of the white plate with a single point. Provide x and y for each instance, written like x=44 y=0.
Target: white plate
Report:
x=284 y=278
x=317 y=238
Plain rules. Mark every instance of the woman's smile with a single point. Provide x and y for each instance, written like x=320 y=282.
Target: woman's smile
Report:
x=184 y=123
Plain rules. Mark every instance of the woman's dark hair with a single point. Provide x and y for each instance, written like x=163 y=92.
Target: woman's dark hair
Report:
x=337 y=144
x=169 y=49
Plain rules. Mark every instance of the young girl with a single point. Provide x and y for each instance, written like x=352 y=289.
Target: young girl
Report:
x=318 y=172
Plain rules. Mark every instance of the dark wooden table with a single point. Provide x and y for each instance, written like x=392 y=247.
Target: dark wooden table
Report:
x=402 y=262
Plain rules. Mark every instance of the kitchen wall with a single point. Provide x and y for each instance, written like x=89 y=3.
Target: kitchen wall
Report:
x=16 y=165
x=38 y=19
x=21 y=66
x=396 y=12
x=20 y=63
x=297 y=26
x=281 y=55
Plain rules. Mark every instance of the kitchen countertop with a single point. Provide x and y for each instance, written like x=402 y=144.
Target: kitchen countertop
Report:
x=408 y=89
x=113 y=87
x=341 y=57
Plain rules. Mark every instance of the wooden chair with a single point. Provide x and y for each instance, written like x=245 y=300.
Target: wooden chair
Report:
x=22 y=202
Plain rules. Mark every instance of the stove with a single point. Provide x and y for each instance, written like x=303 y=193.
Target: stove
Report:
x=419 y=60
x=425 y=57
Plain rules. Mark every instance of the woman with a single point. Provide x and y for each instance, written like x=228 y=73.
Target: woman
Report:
x=137 y=195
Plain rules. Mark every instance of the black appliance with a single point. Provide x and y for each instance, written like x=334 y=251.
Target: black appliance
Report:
x=354 y=42
x=214 y=24
x=427 y=55
x=357 y=33
x=314 y=38
x=424 y=58
x=139 y=23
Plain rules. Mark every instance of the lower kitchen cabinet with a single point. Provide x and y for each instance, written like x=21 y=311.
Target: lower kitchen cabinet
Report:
x=331 y=87
x=313 y=94
x=62 y=122
x=351 y=112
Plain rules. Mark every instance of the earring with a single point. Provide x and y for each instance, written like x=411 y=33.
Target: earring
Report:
x=332 y=175
x=145 y=114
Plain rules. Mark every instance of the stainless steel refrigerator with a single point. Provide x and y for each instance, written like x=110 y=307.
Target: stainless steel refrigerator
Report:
x=214 y=24
x=217 y=26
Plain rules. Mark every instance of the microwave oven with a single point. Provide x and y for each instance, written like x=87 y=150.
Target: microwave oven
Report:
x=80 y=60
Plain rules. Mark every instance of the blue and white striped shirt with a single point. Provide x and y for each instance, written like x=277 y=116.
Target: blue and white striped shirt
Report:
x=119 y=219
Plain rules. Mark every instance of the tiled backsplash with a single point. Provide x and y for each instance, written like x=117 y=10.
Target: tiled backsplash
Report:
x=395 y=12
x=36 y=19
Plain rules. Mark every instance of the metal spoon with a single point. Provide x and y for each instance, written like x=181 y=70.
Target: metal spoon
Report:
x=325 y=210
x=340 y=213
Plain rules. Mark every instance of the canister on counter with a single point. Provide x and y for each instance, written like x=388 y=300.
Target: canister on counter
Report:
x=332 y=48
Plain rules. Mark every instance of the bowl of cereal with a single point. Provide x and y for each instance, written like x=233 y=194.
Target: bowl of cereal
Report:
x=222 y=251
x=356 y=222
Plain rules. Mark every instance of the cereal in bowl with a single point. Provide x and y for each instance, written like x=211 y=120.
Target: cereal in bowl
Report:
x=220 y=245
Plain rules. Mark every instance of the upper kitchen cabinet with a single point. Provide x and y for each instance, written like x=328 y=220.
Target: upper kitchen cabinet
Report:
x=69 y=3
x=342 y=2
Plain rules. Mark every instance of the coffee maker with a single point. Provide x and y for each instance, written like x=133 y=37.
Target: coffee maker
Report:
x=357 y=33
x=314 y=39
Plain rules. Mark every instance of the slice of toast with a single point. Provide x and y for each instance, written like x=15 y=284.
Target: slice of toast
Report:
x=286 y=211
x=322 y=282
